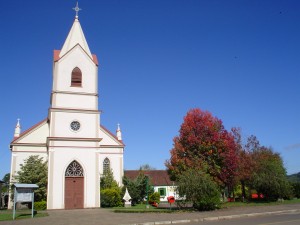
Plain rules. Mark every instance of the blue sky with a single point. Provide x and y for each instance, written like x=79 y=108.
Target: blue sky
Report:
x=158 y=59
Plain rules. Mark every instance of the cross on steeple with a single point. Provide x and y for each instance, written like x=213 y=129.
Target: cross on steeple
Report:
x=76 y=9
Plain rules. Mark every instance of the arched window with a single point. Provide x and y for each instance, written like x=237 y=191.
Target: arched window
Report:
x=76 y=79
x=106 y=166
x=74 y=170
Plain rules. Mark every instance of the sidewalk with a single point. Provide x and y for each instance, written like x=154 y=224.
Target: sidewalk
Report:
x=106 y=217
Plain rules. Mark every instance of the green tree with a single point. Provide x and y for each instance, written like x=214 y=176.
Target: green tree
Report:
x=110 y=192
x=107 y=181
x=6 y=179
x=199 y=188
x=154 y=197
x=270 y=177
x=137 y=188
x=34 y=171
x=296 y=189
x=146 y=167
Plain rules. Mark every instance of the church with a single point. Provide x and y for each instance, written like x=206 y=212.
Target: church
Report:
x=71 y=139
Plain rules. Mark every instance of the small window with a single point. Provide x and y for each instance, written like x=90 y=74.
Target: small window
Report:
x=76 y=77
x=162 y=191
x=106 y=166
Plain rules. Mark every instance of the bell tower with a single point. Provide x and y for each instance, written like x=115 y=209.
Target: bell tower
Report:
x=74 y=120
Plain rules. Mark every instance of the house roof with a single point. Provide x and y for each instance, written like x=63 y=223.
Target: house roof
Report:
x=157 y=177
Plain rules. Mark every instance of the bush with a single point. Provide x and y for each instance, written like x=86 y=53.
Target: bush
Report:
x=110 y=197
x=42 y=205
x=199 y=188
x=154 y=197
x=296 y=189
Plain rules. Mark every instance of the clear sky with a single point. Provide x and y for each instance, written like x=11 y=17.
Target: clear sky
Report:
x=239 y=59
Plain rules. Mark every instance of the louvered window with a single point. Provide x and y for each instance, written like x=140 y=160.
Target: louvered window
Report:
x=76 y=79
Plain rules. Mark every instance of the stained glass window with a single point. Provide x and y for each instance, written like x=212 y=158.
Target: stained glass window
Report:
x=74 y=170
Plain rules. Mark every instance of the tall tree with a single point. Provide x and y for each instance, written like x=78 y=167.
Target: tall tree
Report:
x=270 y=177
x=146 y=167
x=246 y=163
x=6 y=179
x=35 y=171
x=204 y=143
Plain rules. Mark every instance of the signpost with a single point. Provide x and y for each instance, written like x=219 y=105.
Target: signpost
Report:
x=24 y=193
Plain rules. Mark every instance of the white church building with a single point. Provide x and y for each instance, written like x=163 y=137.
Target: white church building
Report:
x=77 y=148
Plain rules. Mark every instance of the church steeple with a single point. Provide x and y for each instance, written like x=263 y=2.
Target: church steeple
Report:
x=75 y=36
x=17 y=129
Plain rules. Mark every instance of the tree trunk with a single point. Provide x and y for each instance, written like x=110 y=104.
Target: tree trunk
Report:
x=243 y=189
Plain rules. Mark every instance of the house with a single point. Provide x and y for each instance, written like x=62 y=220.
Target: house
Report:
x=159 y=179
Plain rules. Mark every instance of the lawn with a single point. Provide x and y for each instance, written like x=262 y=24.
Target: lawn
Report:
x=141 y=208
x=242 y=204
x=20 y=214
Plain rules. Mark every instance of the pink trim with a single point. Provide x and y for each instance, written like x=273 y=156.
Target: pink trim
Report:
x=28 y=130
x=56 y=55
x=114 y=136
x=57 y=52
x=95 y=59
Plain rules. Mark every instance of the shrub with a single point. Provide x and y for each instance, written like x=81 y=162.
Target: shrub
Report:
x=296 y=189
x=154 y=197
x=110 y=197
x=199 y=188
x=42 y=205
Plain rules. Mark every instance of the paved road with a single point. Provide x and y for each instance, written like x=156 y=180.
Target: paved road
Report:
x=283 y=219
x=107 y=217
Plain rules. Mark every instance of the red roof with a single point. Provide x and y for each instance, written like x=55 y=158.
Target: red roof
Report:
x=157 y=177
x=56 y=57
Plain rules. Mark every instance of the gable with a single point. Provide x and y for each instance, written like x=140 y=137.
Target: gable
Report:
x=108 y=138
x=36 y=134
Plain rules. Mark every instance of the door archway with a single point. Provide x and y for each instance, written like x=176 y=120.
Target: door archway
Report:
x=74 y=186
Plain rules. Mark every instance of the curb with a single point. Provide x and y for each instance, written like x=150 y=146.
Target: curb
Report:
x=215 y=218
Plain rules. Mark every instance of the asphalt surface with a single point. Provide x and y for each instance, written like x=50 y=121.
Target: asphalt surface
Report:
x=107 y=217
x=282 y=219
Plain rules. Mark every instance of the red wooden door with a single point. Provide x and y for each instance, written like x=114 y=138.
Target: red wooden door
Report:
x=74 y=192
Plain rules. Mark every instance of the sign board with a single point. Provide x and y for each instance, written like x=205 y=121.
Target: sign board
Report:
x=24 y=195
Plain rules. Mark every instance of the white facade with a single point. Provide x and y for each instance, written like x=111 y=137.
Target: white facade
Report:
x=72 y=131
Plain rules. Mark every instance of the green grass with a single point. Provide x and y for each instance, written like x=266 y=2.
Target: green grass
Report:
x=141 y=208
x=262 y=203
x=20 y=214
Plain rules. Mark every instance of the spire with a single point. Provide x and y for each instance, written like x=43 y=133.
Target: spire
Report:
x=17 y=129
x=119 y=133
x=75 y=36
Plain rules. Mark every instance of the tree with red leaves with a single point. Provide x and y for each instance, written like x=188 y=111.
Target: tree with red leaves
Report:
x=203 y=143
x=246 y=162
